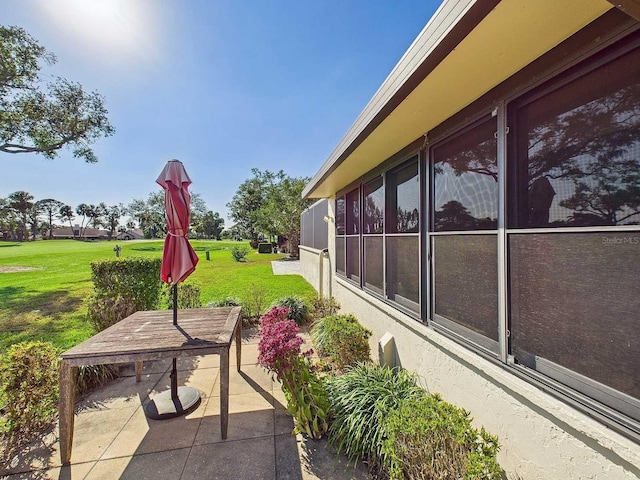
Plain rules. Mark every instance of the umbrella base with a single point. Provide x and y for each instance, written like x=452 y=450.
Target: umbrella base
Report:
x=163 y=406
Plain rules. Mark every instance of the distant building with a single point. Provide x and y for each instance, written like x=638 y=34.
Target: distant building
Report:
x=61 y=233
x=135 y=234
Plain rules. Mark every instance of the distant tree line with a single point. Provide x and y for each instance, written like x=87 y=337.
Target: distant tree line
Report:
x=22 y=218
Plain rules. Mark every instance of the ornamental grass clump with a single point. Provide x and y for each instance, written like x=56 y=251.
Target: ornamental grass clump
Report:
x=279 y=352
x=360 y=401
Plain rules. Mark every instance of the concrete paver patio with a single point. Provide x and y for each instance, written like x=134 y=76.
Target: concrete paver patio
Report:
x=114 y=439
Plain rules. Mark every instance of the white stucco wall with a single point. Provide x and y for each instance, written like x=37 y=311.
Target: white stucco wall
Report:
x=315 y=268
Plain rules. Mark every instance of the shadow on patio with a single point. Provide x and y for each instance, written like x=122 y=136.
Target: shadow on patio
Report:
x=114 y=439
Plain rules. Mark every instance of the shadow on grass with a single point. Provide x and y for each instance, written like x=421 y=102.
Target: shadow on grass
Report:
x=2 y=245
x=21 y=300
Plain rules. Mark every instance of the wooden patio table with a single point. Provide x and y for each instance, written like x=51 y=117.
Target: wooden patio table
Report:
x=151 y=335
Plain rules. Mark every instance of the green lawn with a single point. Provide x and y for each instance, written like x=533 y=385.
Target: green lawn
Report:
x=48 y=303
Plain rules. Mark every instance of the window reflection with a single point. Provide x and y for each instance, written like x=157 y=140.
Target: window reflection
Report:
x=373 y=206
x=466 y=180
x=403 y=195
x=353 y=213
x=340 y=216
x=578 y=149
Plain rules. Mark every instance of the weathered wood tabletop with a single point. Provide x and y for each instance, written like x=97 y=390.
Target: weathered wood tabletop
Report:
x=151 y=335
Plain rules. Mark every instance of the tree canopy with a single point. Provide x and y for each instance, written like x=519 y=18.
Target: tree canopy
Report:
x=270 y=203
x=43 y=117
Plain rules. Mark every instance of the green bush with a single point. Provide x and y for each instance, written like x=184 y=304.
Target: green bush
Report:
x=225 y=302
x=91 y=376
x=137 y=278
x=342 y=339
x=122 y=287
x=188 y=296
x=298 y=308
x=104 y=311
x=360 y=400
x=324 y=306
x=427 y=437
x=239 y=253
x=29 y=373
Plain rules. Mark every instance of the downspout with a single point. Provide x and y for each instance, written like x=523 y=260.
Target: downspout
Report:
x=323 y=253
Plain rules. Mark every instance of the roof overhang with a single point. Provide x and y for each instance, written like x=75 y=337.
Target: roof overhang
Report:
x=467 y=48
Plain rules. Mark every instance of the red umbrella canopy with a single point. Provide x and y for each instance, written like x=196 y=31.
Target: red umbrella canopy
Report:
x=178 y=258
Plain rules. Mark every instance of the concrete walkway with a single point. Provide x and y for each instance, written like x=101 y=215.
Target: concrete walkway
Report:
x=285 y=267
x=114 y=440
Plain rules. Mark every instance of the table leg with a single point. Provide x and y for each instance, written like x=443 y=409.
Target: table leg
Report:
x=139 y=367
x=239 y=344
x=224 y=391
x=67 y=409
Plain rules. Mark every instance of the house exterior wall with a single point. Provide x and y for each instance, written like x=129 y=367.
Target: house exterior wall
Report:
x=315 y=268
x=542 y=438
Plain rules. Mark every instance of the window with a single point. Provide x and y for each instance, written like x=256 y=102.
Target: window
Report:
x=464 y=239
x=373 y=198
x=352 y=230
x=578 y=150
x=340 y=235
x=574 y=163
x=402 y=239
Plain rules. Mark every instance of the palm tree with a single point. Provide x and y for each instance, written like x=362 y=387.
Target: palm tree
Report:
x=22 y=203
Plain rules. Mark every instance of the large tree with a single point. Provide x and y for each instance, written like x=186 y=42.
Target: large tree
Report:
x=270 y=203
x=245 y=205
x=43 y=117
x=49 y=206
x=66 y=214
x=22 y=203
x=112 y=218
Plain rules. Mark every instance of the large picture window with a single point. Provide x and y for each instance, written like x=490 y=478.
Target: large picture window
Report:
x=575 y=162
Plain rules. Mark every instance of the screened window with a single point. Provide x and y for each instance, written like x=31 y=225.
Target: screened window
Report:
x=373 y=206
x=402 y=239
x=465 y=171
x=403 y=198
x=340 y=234
x=578 y=150
x=574 y=298
x=465 y=265
x=348 y=235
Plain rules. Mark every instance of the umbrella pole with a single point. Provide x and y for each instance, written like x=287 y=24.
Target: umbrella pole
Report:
x=175 y=304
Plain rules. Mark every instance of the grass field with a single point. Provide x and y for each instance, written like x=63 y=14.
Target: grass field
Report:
x=48 y=302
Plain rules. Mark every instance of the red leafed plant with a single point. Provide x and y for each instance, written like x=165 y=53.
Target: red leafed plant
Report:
x=279 y=352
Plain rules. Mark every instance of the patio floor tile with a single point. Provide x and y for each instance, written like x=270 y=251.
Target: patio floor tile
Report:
x=242 y=459
x=167 y=465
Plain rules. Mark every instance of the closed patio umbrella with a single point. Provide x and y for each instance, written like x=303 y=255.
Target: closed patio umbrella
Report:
x=178 y=262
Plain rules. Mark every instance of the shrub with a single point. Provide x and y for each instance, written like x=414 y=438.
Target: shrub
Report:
x=105 y=311
x=298 y=308
x=239 y=253
x=29 y=374
x=134 y=278
x=360 y=400
x=279 y=352
x=256 y=302
x=342 y=339
x=91 y=376
x=188 y=296
x=427 y=437
x=324 y=306
x=225 y=302
x=122 y=287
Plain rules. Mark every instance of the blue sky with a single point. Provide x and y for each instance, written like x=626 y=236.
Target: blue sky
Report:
x=223 y=86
